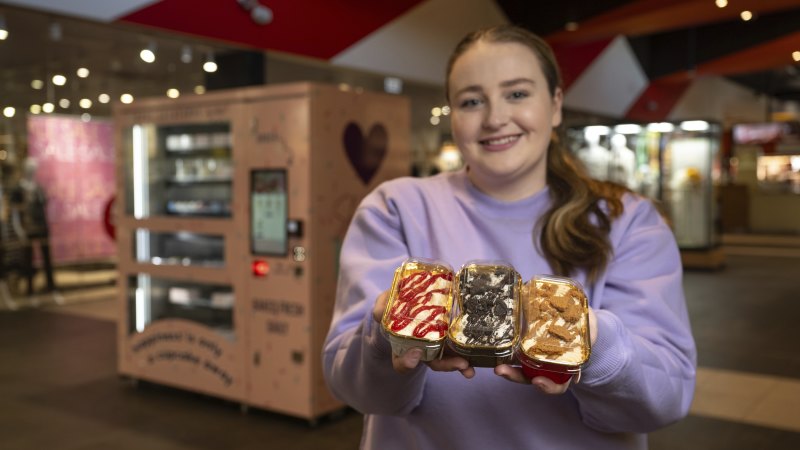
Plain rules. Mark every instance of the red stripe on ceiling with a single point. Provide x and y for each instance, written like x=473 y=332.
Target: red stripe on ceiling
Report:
x=315 y=28
x=656 y=16
x=657 y=101
x=575 y=58
x=764 y=56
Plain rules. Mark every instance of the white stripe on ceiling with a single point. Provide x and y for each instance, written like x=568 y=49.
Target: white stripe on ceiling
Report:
x=416 y=45
x=100 y=10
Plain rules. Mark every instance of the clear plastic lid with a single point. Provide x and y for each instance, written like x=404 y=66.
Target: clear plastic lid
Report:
x=420 y=300
x=486 y=313
x=555 y=322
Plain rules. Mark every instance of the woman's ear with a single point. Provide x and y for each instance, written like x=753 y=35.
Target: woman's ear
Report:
x=558 y=100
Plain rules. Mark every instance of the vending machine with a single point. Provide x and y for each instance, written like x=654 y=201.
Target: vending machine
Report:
x=676 y=164
x=231 y=210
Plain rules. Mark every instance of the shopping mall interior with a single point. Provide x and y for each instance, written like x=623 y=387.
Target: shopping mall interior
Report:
x=175 y=317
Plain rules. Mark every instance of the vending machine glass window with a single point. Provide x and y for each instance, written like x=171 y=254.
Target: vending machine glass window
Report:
x=268 y=212
x=183 y=170
x=152 y=298
x=181 y=248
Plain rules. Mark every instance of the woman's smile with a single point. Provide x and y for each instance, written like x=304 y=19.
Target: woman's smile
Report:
x=499 y=143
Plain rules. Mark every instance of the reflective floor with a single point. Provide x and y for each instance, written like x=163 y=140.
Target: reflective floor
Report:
x=59 y=387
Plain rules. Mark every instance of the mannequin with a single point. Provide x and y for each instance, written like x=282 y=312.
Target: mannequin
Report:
x=623 y=163
x=594 y=157
x=31 y=201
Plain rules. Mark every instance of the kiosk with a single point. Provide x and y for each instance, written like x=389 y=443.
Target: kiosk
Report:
x=232 y=207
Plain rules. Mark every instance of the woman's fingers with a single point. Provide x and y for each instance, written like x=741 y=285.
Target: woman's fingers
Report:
x=544 y=384
x=380 y=306
x=451 y=364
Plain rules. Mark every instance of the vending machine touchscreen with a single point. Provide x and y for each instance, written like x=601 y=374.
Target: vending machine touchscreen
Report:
x=268 y=211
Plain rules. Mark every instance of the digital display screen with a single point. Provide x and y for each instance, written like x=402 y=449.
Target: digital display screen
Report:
x=268 y=212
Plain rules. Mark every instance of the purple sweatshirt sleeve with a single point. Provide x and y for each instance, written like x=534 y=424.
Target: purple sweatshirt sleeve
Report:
x=641 y=374
x=356 y=356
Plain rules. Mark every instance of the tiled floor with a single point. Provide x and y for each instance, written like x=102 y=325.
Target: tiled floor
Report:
x=59 y=388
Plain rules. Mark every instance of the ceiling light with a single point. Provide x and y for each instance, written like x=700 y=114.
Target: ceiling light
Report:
x=104 y=98
x=436 y=111
x=48 y=107
x=445 y=110
x=85 y=117
x=64 y=103
x=36 y=108
x=148 y=54
x=59 y=80
x=3 y=29
x=796 y=56
x=721 y=3
x=435 y=120
x=210 y=65
x=746 y=15
x=571 y=25
x=173 y=93
x=186 y=54
x=37 y=84
x=627 y=128
x=82 y=72
x=661 y=127
x=597 y=130
x=199 y=89
x=126 y=98
x=9 y=111
x=85 y=103
x=695 y=125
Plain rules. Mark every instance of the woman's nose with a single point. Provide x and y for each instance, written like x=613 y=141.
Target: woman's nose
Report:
x=497 y=115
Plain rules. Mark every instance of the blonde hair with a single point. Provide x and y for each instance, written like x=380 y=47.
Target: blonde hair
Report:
x=573 y=233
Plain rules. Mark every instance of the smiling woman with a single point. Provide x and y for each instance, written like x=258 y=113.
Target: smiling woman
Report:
x=522 y=203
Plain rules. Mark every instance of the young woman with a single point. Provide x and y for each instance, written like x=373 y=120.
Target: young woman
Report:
x=521 y=199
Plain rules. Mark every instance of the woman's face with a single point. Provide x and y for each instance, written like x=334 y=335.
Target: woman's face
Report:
x=502 y=118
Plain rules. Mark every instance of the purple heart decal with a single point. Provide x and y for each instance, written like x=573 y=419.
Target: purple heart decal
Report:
x=365 y=155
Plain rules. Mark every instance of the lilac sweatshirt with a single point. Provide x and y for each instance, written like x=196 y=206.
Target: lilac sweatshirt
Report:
x=641 y=372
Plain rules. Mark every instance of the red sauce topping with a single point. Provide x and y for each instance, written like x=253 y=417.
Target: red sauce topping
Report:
x=413 y=294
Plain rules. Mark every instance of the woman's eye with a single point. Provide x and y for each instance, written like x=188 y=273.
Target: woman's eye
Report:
x=470 y=103
x=518 y=95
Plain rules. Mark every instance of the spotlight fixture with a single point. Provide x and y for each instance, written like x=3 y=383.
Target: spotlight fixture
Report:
x=260 y=14
x=59 y=80
x=126 y=98
x=721 y=3
x=148 y=54
x=48 y=107
x=37 y=84
x=3 y=28
x=103 y=98
x=796 y=56
x=210 y=65
x=746 y=15
x=82 y=72
x=9 y=111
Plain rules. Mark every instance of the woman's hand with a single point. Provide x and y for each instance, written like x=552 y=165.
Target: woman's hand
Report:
x=411 y=358
x=544 y=384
